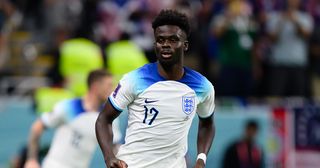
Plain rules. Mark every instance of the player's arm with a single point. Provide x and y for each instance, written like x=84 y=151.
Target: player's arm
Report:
x=36 y=131
x=105 y=135
x=206 y=132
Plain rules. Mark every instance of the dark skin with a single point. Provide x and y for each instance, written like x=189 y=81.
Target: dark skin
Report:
x=105 y=136
x=170 y=46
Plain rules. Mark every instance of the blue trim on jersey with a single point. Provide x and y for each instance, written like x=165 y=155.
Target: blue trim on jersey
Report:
x=113 y=104
x=74 y=107
x=145 y=77
x=148 y=75
x=196 y=82
x=78 y=106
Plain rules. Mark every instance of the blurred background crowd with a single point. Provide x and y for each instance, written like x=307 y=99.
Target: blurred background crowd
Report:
x=251 y=50
x=247 y=48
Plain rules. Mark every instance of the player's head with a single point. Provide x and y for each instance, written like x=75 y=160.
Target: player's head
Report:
x=100 y=83
x=171 y=30
x=251 y=130
x=172 y=17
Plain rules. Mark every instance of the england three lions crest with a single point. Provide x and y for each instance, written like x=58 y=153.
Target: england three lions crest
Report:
x=188 y=104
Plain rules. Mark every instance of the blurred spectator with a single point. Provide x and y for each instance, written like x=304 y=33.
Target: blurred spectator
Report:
x=235 y=30
x=244 y=153
x=124 y=56
x=46 y=19
x=62 y=22
x=2 y=20
x=313 y=7
x=78 y=57
x=10 y=19
x=108 y=28
x=234 y=57
x=289 y=31
x=33 y=12
x=88 y=18
x=202 y=45
x=205 y=46
x=53 y=73
x=46 y=97
x=61 y=16
x=137 y=24
x=260 y=8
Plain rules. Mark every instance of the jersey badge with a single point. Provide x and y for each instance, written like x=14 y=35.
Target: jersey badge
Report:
x=188 y=104
x=116 y=91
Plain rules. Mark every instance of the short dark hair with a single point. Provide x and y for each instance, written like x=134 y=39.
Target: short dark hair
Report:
x=252 y=124
x=96 y=75
x=172 y=17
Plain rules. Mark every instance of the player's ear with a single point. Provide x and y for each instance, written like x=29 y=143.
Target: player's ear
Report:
x=186 y=45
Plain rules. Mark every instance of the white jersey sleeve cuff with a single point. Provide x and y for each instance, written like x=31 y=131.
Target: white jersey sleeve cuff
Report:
x=206 y=116
x=114 y=105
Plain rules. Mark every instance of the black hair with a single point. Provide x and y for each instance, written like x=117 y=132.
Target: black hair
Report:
x=96 y=75
x=172 y=17
x=252 y=124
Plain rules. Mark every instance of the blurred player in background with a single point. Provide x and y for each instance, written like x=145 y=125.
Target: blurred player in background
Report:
x=162 y=99
x=74 y=141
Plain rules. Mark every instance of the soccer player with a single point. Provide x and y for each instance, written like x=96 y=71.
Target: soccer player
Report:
x=162 y=99
x=74 y=141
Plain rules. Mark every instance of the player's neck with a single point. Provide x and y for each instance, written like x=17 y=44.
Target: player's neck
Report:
x=91 y=102
x=174 y=72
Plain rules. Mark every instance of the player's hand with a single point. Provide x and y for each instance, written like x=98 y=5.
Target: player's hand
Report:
x=32 y=163
x=117 y=163
x=199 y=164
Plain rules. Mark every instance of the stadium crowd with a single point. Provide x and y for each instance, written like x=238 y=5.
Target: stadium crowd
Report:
x=236 y=44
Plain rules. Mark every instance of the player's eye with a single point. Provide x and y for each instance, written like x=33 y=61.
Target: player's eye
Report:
x=160 y=40
x=174 y=39
x=171 y=40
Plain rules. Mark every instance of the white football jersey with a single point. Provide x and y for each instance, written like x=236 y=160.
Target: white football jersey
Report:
x=74 y=140
x=160 y=113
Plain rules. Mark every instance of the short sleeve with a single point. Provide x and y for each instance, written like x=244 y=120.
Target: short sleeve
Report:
x=56 y=117
x=123 y=95
x=207 y=106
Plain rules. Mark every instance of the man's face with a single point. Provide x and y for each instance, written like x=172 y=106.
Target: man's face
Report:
x=170 y=44
x=251 y=133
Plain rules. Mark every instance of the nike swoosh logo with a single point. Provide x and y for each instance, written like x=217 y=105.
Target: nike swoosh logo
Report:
x=150 y=101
